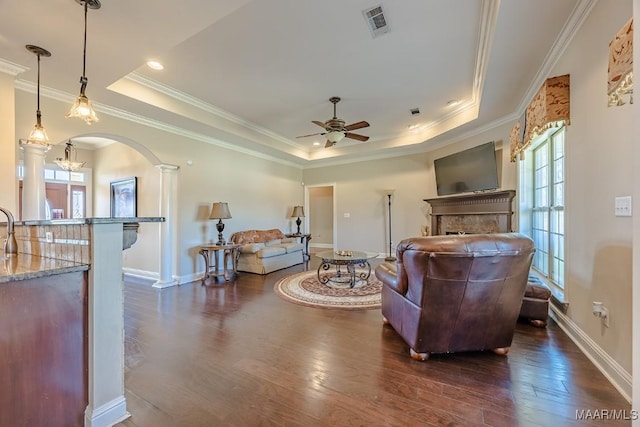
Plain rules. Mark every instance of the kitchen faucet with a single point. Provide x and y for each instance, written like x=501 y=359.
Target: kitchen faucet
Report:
x=10 y=245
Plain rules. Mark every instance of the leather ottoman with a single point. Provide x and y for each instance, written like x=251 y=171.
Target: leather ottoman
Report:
x=535 y=304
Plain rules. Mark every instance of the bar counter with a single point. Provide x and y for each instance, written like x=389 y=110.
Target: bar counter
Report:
x=61 y=310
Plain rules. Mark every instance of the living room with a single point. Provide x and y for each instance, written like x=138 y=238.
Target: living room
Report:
x=601 y=164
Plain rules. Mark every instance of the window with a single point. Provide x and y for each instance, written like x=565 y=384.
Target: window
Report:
x=542 y=204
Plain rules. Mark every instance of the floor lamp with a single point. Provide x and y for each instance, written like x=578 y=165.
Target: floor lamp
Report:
x=390 y=257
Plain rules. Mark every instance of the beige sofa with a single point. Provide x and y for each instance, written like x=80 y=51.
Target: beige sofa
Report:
x=264 y=251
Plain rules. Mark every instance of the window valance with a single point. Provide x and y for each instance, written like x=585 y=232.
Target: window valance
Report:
x=549 y=108
x=620 y=72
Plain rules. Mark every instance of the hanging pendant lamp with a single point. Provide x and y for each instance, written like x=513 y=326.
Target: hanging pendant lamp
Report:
x=70 y=162
x=82 y=107
x=38 y=135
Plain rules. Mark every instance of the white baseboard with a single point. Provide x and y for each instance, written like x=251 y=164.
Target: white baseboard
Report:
x=321 y=245
x=616 y=374
x=107 y=415
x=154 y=277
x=141 y=274
x=188 y=278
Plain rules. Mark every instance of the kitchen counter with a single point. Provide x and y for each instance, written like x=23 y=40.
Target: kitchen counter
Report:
x=65 y=286
x=24 y=266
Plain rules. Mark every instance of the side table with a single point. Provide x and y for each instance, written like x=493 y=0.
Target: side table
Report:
x=304 y=239
x=211 y=259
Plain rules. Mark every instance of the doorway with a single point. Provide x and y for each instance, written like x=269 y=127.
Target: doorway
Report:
x=321 y=216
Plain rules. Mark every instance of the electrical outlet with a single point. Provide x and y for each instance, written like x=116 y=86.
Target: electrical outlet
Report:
x=604 y=316
x=48 y=236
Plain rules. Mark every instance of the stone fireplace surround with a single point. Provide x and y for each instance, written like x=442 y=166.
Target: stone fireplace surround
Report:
x=488 y=212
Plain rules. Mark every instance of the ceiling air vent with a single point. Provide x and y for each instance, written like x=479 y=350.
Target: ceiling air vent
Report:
x=376 y=20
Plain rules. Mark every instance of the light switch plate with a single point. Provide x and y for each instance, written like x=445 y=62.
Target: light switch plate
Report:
x=623 y=206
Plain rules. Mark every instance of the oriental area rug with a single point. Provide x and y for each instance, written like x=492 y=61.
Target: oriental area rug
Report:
x=305 y=289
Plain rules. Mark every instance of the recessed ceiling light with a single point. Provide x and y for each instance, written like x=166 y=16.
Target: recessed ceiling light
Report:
x=155 y=65
x=453 y=102
x=316 y=143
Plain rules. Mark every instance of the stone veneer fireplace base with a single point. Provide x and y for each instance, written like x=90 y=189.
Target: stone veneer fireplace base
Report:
x=488 y=212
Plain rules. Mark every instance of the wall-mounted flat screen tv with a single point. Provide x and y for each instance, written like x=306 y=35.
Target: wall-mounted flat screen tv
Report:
x=470 y=170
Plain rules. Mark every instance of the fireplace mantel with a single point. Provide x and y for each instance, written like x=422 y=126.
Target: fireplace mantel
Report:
x=488 y=212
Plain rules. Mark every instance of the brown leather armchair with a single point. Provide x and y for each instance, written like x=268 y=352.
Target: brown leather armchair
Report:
x=456 y=293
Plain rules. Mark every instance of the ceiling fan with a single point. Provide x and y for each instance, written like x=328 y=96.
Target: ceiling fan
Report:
x=335 y=128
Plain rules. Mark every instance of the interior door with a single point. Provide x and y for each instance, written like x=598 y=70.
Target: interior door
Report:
x=57 y=197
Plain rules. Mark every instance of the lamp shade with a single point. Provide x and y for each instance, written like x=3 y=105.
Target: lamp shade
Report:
x=298 y=212
x=220 y=210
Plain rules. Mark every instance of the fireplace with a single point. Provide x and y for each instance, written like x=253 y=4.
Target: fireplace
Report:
x=488 y=212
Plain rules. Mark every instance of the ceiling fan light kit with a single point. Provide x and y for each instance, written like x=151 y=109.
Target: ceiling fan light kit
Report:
x=335 y=128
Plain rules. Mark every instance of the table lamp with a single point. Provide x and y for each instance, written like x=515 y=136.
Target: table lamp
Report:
x=220 y=211
x=298 y=211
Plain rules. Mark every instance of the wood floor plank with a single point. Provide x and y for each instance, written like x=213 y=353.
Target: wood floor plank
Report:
x=235 y=354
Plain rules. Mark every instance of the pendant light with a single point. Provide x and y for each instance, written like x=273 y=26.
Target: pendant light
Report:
x=67 y=163
x=82 y=106
x=38 y=135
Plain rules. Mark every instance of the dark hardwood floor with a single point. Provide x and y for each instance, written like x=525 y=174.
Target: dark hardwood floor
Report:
x=236 y=354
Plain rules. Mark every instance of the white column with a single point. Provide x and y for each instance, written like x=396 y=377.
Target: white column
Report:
x=33 y=189
x=168 y=229
x=107 y=405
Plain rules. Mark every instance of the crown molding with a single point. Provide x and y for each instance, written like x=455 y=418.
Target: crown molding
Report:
x=490 y=10
x=205 y=106
x=10 y=68
x=145 y=121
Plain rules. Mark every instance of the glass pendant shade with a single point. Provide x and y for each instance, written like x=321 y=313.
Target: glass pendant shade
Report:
x=67 y=163
x=83 y=109
x=38 y=135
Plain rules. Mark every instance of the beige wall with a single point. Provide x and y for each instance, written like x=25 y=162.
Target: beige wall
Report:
x=9 y=146
x=260 y=192
x=360 y=192
x=599 y=158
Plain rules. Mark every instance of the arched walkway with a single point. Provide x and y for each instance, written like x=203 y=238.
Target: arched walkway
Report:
x=168 y=205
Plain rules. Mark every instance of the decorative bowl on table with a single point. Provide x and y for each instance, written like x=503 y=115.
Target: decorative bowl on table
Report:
x=344 y=253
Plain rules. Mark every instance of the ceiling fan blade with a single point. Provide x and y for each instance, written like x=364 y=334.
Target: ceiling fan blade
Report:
x=356 y=136
x=322 y=125
x=328 y=144
x=355 y=126
x=311 y=134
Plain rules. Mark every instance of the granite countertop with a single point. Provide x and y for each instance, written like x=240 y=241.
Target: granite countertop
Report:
x=24 y=266
x=105 y=220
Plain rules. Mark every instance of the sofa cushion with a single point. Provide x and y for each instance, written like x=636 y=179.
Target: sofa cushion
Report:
x=251 y=248
x=292 y=247
x=256 y=236
x=271 y=251
x=536 y=288
x=273 y=242
x=289 y=240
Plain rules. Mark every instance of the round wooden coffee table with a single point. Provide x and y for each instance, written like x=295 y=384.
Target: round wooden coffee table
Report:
x=350 y=260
